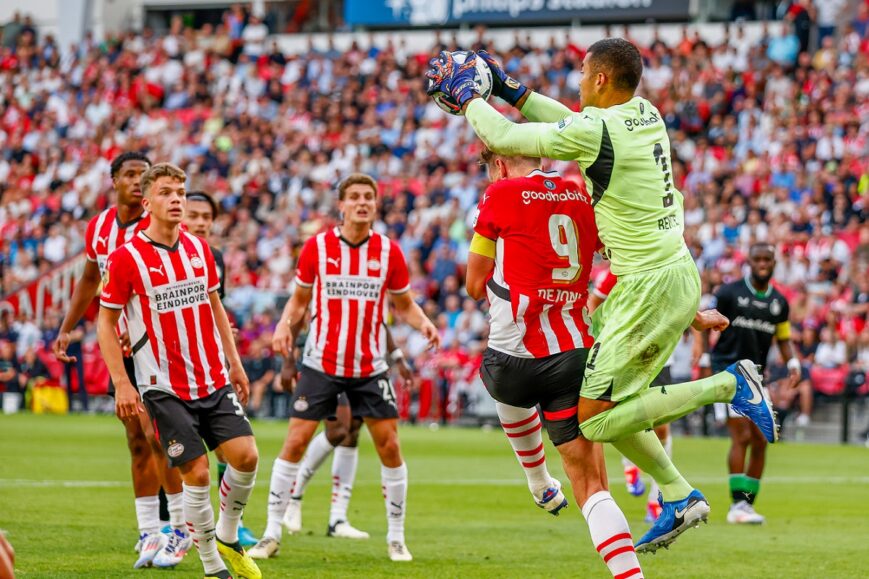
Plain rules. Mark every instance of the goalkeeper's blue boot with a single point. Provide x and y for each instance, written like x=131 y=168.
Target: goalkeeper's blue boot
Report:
x=676 y=517
x=752 y=400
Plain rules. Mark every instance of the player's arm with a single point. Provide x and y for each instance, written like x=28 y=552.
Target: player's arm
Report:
x=481 y=263
x=291 y=322
x=540 y=108
x=82 y=296
x=237 y=375
x=786 y=349
x=397 y=359
x=411 y=313
x=127 y=401
x=573 y=138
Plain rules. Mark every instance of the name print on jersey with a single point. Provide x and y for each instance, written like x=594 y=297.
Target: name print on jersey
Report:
x=176 y=295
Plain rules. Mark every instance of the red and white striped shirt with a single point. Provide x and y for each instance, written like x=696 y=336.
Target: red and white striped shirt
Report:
x=164 y=292
x=347 y=336
x=105 y=233
x=545 y=237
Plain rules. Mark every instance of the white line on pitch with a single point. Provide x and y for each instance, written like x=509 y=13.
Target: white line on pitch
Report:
x=31 y=483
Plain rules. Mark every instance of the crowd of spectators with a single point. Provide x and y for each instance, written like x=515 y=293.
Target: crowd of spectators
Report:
x=769 y=143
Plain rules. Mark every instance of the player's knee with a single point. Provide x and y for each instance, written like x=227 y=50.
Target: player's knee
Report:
x=336 y=432
x=247 y=461
x=195 y=473
x=388 y=448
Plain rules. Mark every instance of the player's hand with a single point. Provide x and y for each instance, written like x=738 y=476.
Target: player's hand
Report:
x=240 y=383
x=503 y=85
x=430 y=333
x=405 y=372
x=126 y=343
x=59 y=348
x=710 y=320
x=288 y=373
x=282 y=340
x=128 y=404
x=457 y=80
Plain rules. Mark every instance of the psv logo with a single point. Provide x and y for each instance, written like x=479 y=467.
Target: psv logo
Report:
x=197 y=263
x=373 y=265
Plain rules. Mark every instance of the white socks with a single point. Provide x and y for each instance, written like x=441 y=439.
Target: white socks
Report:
x=283 y=476
x=200 y=523
x=523 y=429
x=235 y=489
x=343 y=474
x=611 y=535
x=395 y=493
x=318 y=450
x=176 y=511
x=148 y=514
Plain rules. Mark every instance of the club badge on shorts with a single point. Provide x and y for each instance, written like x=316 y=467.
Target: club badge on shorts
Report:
x=300 y=405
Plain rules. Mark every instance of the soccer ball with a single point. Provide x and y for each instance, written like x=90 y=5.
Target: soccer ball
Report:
x=483 y=78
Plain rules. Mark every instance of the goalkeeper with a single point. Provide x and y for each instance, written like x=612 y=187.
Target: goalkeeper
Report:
x=620 y=142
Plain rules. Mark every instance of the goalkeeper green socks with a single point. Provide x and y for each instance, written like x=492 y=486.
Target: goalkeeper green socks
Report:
x=645 y=450
x=656 y=406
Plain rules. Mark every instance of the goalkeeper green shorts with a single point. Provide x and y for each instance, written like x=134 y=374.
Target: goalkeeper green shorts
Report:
x=638 y=327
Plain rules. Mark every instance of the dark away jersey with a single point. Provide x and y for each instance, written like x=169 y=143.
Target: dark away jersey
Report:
x=755 y=319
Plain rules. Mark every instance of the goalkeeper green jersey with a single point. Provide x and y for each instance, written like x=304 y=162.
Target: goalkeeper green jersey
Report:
x=624 y=153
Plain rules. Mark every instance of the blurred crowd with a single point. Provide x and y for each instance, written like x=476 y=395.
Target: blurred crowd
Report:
x=769 y=143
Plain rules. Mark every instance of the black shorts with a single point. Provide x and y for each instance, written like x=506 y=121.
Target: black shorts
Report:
x=131 y=374
x=316 y=396
x=552 y=382
x=182 y=425
x=663 y=378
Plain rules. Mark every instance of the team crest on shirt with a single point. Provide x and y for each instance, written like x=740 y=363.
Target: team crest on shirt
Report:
x=197 y=263
x=300 y=405
x=175 y=449
x=775 y=307
x=373 y=264
x=548 y=184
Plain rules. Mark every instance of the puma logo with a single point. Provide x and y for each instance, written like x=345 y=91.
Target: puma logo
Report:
x=103 y=240
x=156 y=270
x=333 y=261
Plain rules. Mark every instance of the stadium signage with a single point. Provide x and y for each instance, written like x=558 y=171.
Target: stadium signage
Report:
x=425 y=13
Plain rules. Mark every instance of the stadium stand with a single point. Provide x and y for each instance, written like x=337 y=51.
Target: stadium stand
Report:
x=770 y=141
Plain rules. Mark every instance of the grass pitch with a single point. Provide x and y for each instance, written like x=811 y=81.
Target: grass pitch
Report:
x=67 y=503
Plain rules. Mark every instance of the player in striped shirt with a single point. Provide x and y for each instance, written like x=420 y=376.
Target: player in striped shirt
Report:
x=348 y=272
x=531 y=255
x=106 y=232
x=165 y=281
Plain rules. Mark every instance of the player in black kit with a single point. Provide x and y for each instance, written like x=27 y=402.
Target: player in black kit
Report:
x=758 y=314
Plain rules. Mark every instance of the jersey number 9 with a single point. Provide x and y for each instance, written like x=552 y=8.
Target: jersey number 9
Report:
x=565 y=242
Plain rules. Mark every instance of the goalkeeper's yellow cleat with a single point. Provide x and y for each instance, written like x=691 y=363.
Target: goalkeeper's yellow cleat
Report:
x=243 y=567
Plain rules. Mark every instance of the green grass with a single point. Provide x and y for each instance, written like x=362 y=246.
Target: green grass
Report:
x=469 y=513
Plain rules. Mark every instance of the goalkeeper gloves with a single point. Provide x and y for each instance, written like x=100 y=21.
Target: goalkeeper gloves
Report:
x=457 y=80
x=503 y=85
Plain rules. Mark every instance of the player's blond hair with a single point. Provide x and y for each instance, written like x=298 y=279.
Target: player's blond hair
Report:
x=161 y=170
x=488 y=156
x=356 y=179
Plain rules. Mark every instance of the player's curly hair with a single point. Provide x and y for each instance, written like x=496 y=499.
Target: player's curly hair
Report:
x=161 y=170
x=621 y=59
x=119 y=161
x=356 y=179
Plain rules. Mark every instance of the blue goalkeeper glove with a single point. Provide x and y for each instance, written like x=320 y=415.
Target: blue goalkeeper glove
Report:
x=457 y=80
x=504 y=86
